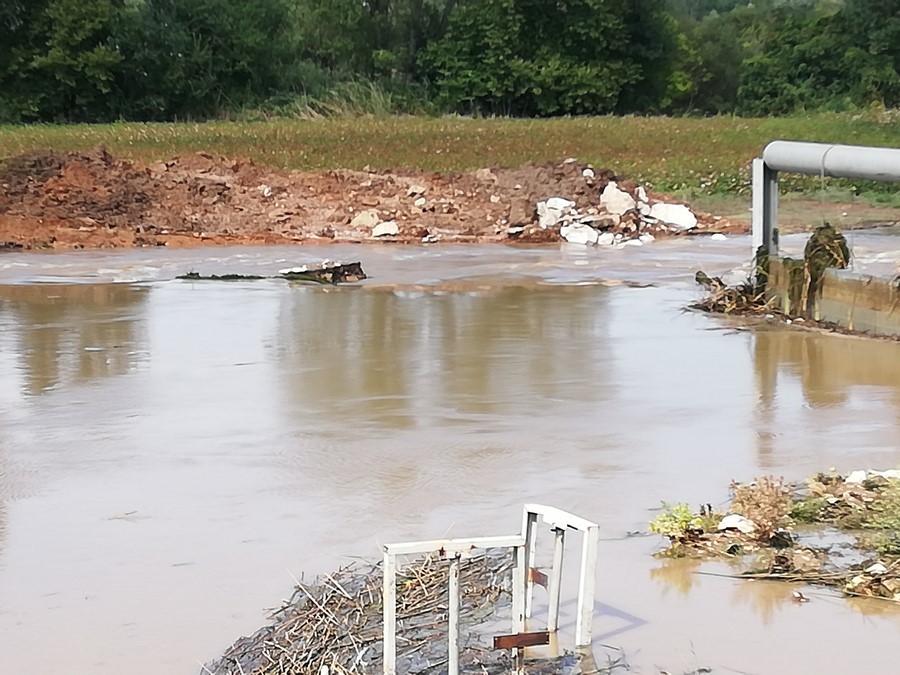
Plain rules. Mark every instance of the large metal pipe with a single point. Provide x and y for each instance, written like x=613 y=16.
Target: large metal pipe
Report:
x=839 y=161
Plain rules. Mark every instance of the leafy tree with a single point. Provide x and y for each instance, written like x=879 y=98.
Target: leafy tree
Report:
x=574 y=57
x=872 y=27
x=192 y=58
x=58 y=63
x=809 y=60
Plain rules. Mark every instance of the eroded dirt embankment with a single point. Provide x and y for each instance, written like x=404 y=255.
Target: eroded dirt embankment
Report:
x=54 y=200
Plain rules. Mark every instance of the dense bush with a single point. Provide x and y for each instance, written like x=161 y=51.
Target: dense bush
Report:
x=94 y=60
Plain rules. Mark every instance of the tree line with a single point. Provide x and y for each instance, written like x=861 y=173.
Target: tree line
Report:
x=101 y=60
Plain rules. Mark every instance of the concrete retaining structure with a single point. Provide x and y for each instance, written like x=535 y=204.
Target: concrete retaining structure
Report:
x=858 y=302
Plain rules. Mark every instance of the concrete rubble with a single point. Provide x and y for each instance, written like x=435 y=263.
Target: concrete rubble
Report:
x=388 y=228
x=621 y=217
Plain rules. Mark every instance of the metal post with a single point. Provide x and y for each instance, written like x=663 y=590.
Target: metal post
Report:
x=389 y=611
x=530 y=547
x=585 y=619
x=518 y=590
x=757 y=203
x=453 y=618
x=764 y=211
x=770 y=209
x=556 y=579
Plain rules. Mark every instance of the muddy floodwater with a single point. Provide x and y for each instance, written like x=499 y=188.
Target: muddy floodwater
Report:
x=171 y=453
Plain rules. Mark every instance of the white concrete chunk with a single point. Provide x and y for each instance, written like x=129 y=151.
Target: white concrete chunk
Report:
x=606 y=239
x=368 y=218
x=386 y=229
x=560 y=204
x=736 y=522
x=578 y=233
x=550 y=212
x=676 y=216
x=615 y=200
x=856 y=477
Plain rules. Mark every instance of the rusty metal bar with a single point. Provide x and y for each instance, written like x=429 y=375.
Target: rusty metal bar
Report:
x=521 y=640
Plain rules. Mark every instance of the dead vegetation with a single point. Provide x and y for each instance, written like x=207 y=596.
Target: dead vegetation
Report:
x=826 y=248
x=768 y=526
x=334 y=624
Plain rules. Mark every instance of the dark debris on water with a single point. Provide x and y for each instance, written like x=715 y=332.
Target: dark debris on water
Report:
x=335 y=622
x=324 y=273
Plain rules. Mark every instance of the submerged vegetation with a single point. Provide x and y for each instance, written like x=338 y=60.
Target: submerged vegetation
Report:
x=770 y=529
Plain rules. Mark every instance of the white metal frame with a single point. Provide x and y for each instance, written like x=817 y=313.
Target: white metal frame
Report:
x=560 y=522
x=523 y=550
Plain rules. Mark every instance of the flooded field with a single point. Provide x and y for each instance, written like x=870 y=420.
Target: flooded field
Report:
x=172 y=452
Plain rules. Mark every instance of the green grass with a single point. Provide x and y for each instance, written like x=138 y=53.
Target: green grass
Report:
x=709 y=156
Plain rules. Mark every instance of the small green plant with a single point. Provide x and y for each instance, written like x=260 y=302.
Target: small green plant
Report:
x=808 y=510
x=677 y=522
x=888 y=543
x=884 y=513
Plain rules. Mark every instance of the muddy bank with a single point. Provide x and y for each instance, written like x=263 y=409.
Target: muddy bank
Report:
x=53 y=200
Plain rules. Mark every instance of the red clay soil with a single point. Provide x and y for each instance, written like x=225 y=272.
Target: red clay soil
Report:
x=53 y=200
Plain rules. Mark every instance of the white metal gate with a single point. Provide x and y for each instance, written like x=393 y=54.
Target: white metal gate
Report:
x=525 y=576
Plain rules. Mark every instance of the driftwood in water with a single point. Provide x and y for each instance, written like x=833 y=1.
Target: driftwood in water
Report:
x=325 y=273
x=196 y=276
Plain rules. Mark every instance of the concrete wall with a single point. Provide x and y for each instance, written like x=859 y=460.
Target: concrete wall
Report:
x=859 y=302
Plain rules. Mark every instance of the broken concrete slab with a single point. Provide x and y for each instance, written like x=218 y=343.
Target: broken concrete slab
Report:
x=578 y=233
x=387 y=228
x=551 y=211
x=676 y=216
x=615 y=200
x=367 y=219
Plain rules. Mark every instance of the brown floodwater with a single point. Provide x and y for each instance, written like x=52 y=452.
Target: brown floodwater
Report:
x=171 y=453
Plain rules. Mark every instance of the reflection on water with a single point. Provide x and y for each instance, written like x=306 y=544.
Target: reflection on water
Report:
x=70 y=332
x=414 y=390
x=828 y=366
x=390 y=359
x=828 y=372
x=765 y=598
x=684 y=575
x=678 y=574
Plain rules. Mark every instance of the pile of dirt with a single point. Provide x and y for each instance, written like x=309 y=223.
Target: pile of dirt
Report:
x=93 y=200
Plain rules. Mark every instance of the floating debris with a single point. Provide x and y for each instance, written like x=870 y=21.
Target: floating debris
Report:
x=769 y=522
x=335 y=623
x=324 y=273
x=826 y=248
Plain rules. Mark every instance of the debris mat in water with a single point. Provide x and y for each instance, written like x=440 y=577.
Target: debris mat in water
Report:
x=336 y=623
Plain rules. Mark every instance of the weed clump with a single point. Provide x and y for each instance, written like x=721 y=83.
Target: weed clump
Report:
x=766 y=502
